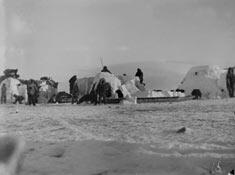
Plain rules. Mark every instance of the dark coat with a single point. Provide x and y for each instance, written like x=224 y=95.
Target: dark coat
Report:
x=230 y=81
x=33 y=92
x=140 y=74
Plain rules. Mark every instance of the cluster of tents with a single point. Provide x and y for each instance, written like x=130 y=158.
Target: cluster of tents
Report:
x=200 y=81
x=207 y=82
x=105 y=85
x=12 y=88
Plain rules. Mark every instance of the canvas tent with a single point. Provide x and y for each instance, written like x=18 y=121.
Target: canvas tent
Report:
x=13 y=87
x=124 y=78
x=84 y=85
x=210 y=80
x=47 y=90
x=110 y=78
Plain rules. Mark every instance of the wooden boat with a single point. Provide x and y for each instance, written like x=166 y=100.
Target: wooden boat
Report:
x=150 y=99
x=162 y=99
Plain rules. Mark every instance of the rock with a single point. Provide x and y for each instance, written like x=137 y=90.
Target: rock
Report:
x=181 y=130
x=56 y=152
x=31 y=149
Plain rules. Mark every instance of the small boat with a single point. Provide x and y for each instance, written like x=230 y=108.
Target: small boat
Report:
x=162 y=99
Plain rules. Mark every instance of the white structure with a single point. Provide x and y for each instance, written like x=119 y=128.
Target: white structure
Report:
x=159 y=93
x=210 y=80
x=14 y=87
x=110 y=78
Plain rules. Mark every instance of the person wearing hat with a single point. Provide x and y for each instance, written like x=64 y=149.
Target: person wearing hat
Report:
x=3 y=93
x=105 y=69
x=140 y=74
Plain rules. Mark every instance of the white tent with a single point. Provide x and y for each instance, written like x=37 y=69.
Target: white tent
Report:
x=14 y=87
x=46 y=92
x=210 y=80
x=110 y=78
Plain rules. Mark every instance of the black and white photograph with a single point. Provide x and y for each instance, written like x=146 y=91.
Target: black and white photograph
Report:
x=117 y=87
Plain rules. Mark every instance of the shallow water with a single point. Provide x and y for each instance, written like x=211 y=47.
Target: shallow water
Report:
x=210 y=125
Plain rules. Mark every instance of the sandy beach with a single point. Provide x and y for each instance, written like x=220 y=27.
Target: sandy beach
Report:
x=64 y=139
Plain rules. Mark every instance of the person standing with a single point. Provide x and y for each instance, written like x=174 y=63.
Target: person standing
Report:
x=105 y=69
x=230 y=81
x=140 y=74
x=3 y=94
x=32 y=90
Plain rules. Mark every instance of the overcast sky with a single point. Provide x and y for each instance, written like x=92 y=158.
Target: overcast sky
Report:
x=62 y=37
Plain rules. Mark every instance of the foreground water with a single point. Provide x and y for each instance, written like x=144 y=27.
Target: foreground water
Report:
x=210 y=125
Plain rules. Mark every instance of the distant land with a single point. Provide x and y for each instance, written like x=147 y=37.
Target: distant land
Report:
x=157 y=75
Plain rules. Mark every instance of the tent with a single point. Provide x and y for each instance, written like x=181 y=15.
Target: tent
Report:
x=210 y=80
x=9 y=73
x=110 y=78
x=124 y=78
x=84 y=85
x=47 y=90
x=130 y=86
x=13 y=87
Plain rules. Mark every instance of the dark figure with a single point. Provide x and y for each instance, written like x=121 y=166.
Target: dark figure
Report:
x=33 y=92
x=230 y=81
x=18 y=99
x=3 y=94
x=103 y=90
x=105 y=69
x=180 y=90
x=75 y=93
x=181 y=130
x=73 y=89
x=196 y=93
x=140 y=74
x=98 y=93
x=92 y=97
x=119 y=93
x=71 y=83
x=84 y=98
